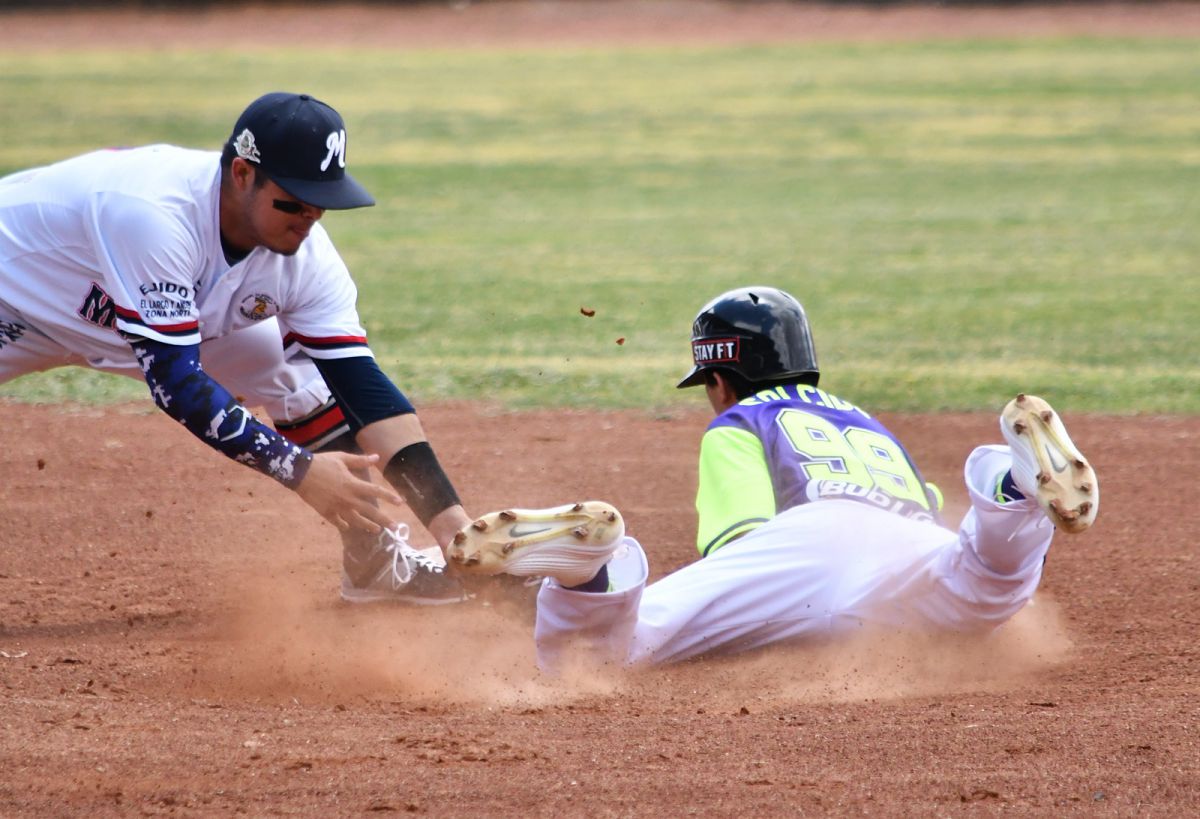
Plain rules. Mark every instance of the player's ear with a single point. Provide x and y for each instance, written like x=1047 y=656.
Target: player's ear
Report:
x=241 y=173
x=721 y=393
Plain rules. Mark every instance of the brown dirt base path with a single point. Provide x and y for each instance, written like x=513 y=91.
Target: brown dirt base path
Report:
x=580 y=22
x=171 y=643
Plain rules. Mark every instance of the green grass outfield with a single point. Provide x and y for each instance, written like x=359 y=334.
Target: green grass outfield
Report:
x=961 y=219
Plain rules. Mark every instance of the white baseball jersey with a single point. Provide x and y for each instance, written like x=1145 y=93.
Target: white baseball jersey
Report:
x=816 y=570
x=129 y=239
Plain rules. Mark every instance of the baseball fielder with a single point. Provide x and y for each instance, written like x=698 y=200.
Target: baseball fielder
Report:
x=209 y=276
x=813 y=518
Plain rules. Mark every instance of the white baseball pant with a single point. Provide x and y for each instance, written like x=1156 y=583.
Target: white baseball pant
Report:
x=815 y=571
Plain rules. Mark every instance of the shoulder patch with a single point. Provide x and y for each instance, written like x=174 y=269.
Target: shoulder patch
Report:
x=258 y=306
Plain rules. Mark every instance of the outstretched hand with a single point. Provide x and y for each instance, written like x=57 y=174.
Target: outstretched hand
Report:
x=346 y=501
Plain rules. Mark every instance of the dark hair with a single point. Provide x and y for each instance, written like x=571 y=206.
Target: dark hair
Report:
x=227 y=155
x=743 y=387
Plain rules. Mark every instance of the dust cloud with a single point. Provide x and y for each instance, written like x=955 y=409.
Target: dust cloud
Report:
x=890 y=666
x=282 y=641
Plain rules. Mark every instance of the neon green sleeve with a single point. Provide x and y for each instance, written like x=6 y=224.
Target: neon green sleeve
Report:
x=735 y=493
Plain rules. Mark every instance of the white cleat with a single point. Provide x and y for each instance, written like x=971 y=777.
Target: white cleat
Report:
x=1047 y=466
x=569 y=543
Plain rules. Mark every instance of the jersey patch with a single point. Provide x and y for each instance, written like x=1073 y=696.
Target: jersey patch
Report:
x=98 y=308
x=258 y=306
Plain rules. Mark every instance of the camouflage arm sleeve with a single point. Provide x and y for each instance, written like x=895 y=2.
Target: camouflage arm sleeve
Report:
x=182 y=390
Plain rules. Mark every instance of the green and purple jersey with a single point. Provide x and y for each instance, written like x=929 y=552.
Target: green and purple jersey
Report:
x=795 y=444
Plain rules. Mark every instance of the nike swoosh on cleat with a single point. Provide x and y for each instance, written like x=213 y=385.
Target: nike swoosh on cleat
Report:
x=517 y=530
x=1054 y=462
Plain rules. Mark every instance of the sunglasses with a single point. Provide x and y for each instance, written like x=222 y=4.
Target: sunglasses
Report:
x=288 y=205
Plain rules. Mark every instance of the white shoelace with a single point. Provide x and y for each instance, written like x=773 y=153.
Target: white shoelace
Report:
x=404 y=556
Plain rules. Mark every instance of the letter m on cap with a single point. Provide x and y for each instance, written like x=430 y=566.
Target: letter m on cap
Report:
x=335 y=143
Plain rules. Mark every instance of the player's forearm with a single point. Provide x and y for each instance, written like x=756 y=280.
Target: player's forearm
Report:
x=412 y=467
x=182 y=389
x=386 y=424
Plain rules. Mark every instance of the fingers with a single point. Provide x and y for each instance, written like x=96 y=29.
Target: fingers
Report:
x=368 y=519
x=344 y=499
x=377 y=492
x=362 y=510
x=341 y=525
x=367 y=488
x=372 y=518
x=357 y=461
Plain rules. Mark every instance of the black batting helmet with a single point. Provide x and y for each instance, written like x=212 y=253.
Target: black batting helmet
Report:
x=761 y=333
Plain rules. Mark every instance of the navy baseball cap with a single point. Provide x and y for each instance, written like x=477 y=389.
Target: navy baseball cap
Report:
x=300 y=143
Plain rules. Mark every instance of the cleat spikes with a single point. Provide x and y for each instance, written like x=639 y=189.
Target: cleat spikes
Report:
x=1062 y=511
x=1047 y=466
x=459 y=538
x=567 y=543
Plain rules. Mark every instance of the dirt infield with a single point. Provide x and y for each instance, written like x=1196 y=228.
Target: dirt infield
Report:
x=171 y=641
